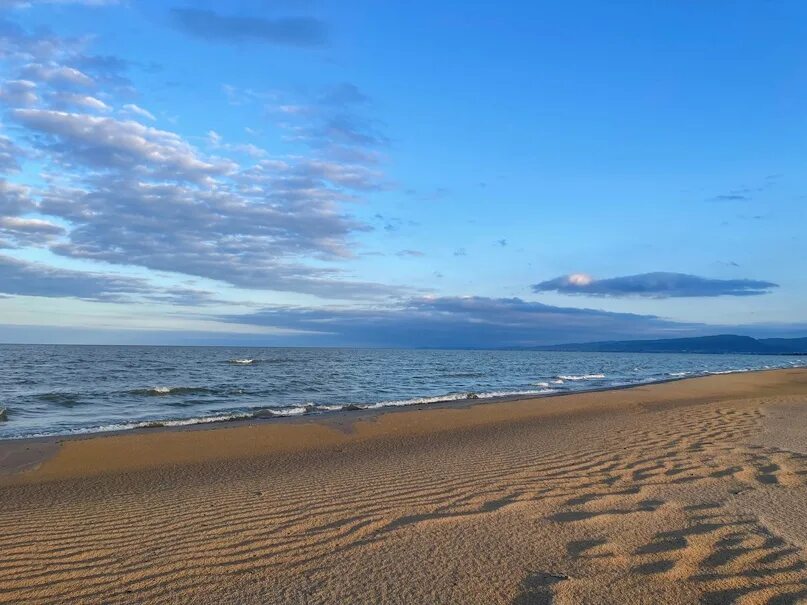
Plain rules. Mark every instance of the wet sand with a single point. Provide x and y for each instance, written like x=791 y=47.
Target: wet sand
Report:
x=693 y=491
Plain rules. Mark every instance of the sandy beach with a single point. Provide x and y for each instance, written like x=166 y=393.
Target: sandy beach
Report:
x=685 y=492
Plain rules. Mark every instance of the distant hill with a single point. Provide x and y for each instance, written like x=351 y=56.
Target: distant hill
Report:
x=723 y=343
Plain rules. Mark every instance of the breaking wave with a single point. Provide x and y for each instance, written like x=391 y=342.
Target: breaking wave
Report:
x=163 y=390
x=581 y=377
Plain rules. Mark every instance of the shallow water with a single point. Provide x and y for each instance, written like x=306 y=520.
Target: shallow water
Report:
x=59 y=389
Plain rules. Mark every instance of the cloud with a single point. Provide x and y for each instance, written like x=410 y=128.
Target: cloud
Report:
x=22 y=278
x=27 y=3
x=69 y=100
x=10 y=156
x=415 y=253
x=654 y=285
x=58 y=75
x=19 y=93
x=332 y=122
x=460 y=322
x=103 y=142
x=731 y=197
x=139 y=111
x=156 y=201
x=746 y=193
x=129 y=193
x=289 y=31
x=16 y=232
x=14 y=199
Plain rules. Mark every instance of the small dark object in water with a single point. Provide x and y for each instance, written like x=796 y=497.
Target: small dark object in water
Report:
x=472 y=396
x=351 y=407
x=3 y=414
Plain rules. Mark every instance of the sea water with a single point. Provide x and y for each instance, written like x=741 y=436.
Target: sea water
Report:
x=59 y=389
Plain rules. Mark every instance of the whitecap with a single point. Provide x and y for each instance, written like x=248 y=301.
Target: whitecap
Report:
x=582 y=377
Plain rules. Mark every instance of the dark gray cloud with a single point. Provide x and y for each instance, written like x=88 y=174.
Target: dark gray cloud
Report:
x=654 y=285
x=289 y=31
x=461 y=322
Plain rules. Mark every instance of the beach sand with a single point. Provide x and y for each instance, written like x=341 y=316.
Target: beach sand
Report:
x=685 y=492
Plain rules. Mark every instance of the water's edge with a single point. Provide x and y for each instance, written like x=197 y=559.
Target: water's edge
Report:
x=350 y=413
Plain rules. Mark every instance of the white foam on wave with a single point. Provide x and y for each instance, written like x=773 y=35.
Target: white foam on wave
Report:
x=581 y=377
x=540 y=384
x=718 y=372
x=457 y=397
x=187 y=421
x=242 y=362
x=294 y=411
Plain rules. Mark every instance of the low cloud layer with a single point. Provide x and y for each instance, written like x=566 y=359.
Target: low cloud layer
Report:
x=654 y=285
x=461 y=322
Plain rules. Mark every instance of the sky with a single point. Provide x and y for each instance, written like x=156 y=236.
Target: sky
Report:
x=419 y=174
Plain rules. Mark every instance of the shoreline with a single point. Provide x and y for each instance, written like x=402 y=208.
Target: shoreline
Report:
x=354 y=410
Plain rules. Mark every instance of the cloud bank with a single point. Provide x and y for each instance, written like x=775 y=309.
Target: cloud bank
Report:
x=460 y=322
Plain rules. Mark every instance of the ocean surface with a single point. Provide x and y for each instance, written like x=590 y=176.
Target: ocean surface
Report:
x=58 y=390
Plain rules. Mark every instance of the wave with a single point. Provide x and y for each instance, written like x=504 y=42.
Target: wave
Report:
x=3 y=414
x=162 y=390
x=581 y=377
x=65 y=399
x=249 y=361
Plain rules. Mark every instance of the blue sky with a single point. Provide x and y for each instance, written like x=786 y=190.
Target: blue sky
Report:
x=402 y=174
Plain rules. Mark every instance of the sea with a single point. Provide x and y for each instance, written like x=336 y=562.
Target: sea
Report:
x=65 y=390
